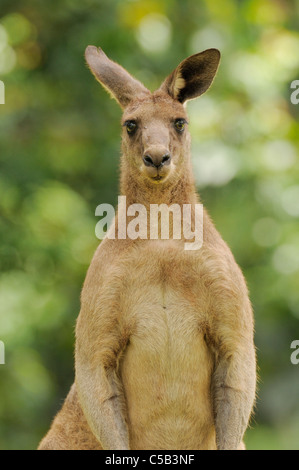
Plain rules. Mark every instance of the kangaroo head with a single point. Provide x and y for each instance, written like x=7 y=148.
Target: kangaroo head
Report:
x=155 y=140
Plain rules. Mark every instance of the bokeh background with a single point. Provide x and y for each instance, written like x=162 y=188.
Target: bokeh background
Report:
x=59 y=154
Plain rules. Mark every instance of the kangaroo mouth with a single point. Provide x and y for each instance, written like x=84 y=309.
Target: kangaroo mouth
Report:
x=158 y=178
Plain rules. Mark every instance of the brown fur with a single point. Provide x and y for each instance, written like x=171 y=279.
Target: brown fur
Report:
x=164 y=341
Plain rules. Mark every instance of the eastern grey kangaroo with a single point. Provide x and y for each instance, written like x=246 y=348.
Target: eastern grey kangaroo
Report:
x=165 y=355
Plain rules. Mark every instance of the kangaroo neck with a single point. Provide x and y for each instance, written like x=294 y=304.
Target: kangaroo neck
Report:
x=144 y=192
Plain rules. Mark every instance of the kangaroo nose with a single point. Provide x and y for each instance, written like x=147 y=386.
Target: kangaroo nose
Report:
x=157 y=160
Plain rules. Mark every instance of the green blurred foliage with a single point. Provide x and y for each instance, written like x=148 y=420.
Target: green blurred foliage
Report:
x=59 y=152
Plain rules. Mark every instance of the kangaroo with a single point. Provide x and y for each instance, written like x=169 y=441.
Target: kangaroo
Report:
x=165 y=355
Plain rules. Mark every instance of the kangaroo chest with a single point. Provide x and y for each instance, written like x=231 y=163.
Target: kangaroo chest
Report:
x=166 y=366
x=162 y=293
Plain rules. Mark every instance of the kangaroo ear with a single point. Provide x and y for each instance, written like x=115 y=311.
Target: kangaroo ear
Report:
x=117 y=81
x=193 y=76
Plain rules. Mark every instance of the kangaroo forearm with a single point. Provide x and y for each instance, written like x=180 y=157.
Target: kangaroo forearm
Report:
x=233 y=388
x=102 y=405
x=232 y=413
x=109 y=426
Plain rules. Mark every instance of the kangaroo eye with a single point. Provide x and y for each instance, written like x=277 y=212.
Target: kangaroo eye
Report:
x=131 y=127
x=179 y=124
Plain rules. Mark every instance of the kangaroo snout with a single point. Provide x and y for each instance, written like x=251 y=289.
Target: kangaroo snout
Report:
x=157 y=163
x=156 y=159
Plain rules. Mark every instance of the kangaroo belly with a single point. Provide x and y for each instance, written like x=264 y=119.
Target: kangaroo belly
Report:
x=166 y=373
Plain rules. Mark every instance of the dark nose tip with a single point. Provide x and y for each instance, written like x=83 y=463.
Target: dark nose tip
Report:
x=158 y=161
